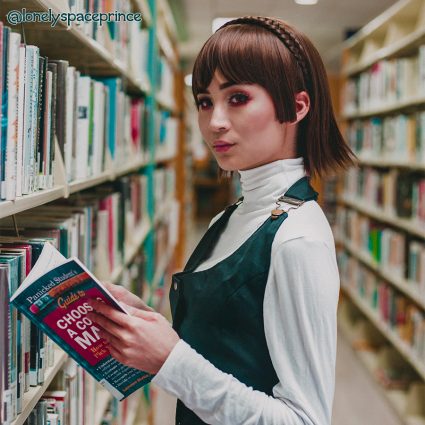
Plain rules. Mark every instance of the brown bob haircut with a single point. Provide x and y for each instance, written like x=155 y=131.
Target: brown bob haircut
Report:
x=247 y=53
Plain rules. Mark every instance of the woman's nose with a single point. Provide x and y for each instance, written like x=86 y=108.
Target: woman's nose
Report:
x=219 y=119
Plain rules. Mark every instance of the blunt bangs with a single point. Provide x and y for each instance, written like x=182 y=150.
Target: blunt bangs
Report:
x=251 y=54
x=246 y=54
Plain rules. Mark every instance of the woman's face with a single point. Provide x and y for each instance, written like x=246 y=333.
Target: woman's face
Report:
x=238 y=122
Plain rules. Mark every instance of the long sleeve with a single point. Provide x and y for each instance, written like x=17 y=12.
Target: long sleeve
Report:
x=300 y=327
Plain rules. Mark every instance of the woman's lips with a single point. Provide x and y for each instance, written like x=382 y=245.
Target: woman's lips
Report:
x=222 y=147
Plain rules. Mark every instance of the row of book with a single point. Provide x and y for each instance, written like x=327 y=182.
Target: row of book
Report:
x=395 y=138
x=95 y=227
x=43 y=101
x=393 y=308
x=385 y=83
x=25 y=351
x=74 y=398
x=401 y=194
x=125 y=39
x=399 y=255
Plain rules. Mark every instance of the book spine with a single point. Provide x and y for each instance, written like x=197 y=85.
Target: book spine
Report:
x=53 y=67
x=47 y=137
x=69 y=117
x=4 y=111
x=92 y=125
x=82 y=148
x=34 y=119
x=39 y=179
x=21 y=117
x=12 y=127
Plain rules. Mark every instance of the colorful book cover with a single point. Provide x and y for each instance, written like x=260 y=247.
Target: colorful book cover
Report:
x=55 y=296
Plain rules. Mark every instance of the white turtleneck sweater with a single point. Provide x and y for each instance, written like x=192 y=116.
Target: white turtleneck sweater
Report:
x=300 y=304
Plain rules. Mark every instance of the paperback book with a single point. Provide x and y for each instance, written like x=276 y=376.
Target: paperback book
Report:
x=55 y=297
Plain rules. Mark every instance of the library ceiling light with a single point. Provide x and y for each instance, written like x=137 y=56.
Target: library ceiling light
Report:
x=306 y=2
x=188 y=80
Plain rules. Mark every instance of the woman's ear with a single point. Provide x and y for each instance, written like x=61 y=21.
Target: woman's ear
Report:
x=302 y=105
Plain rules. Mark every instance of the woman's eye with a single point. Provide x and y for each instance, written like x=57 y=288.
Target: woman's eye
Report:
x=238 y=99
x=204 y=103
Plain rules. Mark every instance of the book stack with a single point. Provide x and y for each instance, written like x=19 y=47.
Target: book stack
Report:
x=395 y=139
x=96 y=125
x=29 y=105
x=398 y=193
x=385 y=83
x=113 y=35
x=401 y=316
x=26 y=351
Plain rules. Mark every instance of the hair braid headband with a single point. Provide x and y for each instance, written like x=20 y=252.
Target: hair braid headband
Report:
x=286 y=36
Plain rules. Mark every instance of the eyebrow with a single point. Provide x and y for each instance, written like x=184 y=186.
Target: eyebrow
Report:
x=221 y=87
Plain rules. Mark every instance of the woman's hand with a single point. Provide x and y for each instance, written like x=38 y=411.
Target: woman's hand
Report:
x=143 y=340
x=125 y=296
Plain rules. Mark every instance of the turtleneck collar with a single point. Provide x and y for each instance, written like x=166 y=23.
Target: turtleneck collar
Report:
x=261 y=186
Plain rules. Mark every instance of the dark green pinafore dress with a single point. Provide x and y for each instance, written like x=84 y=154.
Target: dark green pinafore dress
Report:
x=219 y=311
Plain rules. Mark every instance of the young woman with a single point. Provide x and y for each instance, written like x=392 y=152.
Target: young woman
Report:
x=254 y=311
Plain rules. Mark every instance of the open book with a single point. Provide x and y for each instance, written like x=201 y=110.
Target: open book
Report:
x=54 y=297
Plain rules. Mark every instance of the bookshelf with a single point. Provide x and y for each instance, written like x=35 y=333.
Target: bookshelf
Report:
x=380 y=223
x=73 y=44
x=100 y=55
x=34 y=394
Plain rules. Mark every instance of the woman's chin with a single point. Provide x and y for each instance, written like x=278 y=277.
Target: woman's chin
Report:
x=227 y=165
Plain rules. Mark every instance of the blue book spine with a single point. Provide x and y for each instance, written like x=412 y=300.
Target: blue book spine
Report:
x=4 y=103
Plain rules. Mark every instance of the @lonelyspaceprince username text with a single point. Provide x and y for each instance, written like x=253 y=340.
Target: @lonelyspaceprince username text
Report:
x=15 y=17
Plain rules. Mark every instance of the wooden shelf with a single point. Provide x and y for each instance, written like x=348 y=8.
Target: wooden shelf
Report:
x=404 y=224
x=378 y=32
x=395 y=340
x=165 y=104
x=77 y=186
x=27 y=202
x=400 y=106
x=383 y=163
x=42 y=197
x=128 y=168
x=401 y=284
x=165 y=160
x=406 y=45
x=60 y=42
x=34 y=394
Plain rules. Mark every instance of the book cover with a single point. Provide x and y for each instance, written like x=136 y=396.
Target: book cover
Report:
x=55 y=297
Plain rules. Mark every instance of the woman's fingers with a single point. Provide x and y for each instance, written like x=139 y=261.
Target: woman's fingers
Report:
x=110 y=339
x=109 y=312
